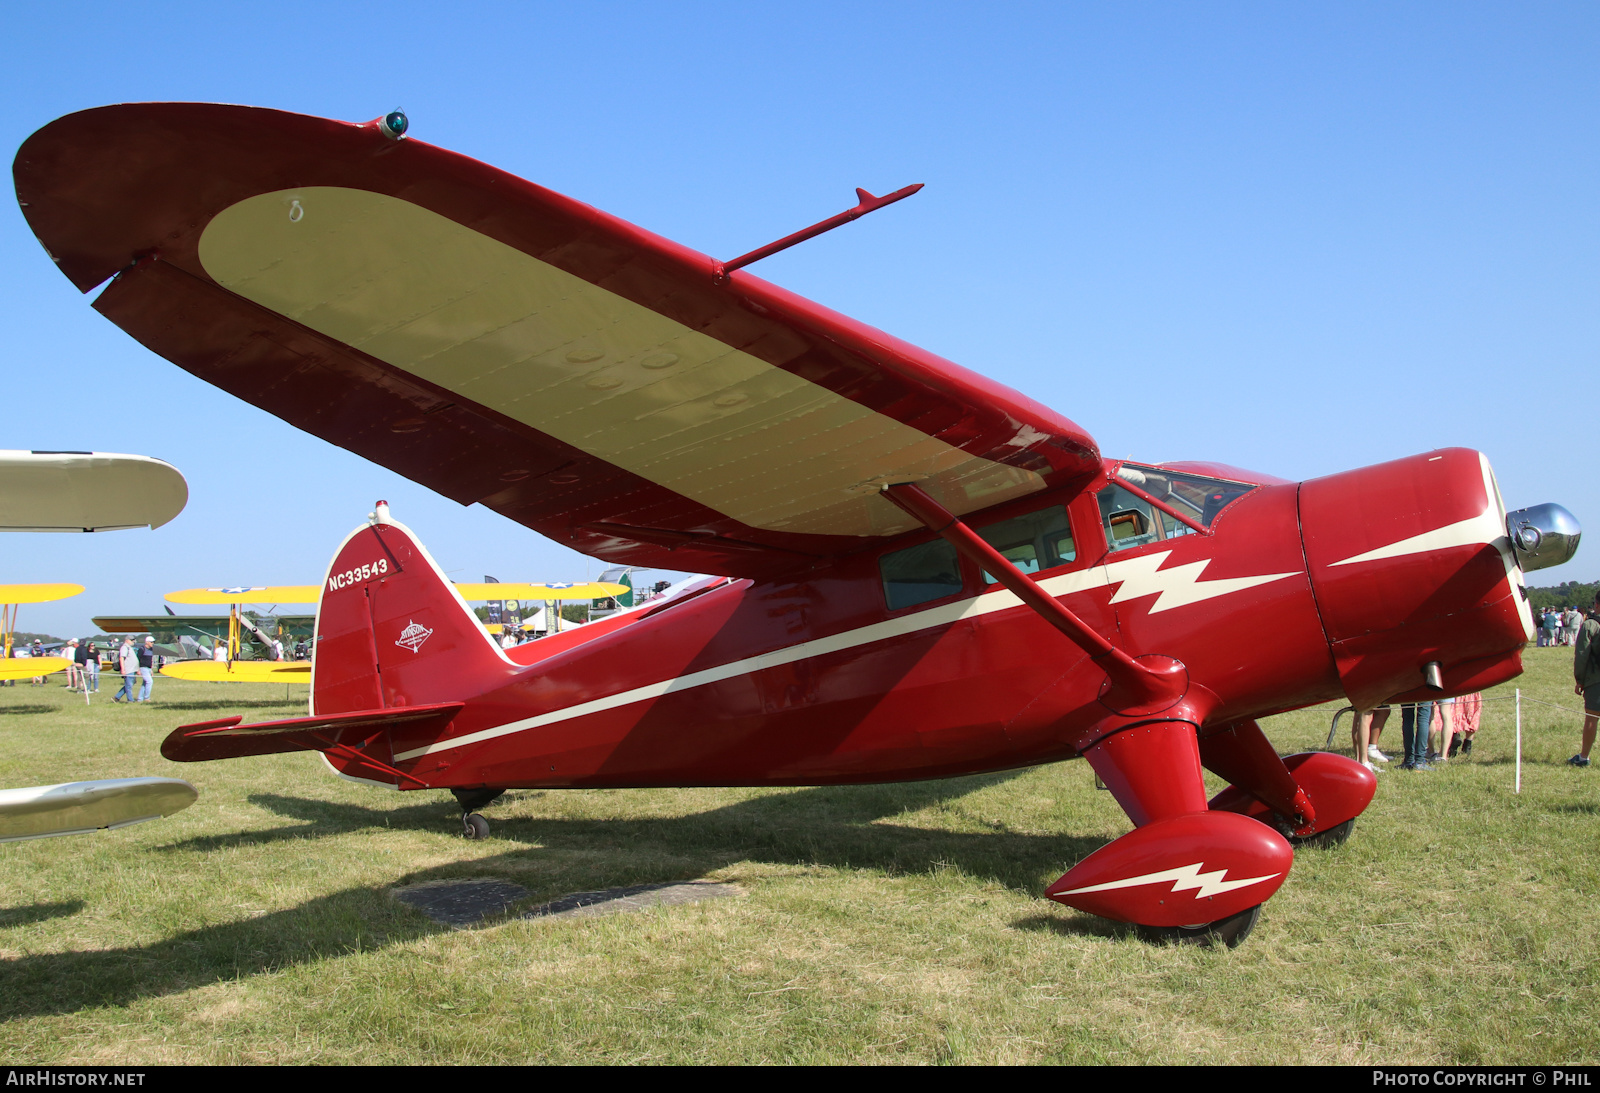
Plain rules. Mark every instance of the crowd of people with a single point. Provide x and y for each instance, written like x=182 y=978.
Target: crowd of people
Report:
x=135 y=663
x=1559 y=626
x=1431 y=733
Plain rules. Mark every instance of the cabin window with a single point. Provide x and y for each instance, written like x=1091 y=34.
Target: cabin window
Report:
x=1039 y=540
x=919 y=574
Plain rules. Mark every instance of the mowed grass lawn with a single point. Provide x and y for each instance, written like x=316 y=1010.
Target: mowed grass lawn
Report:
x=879 y=924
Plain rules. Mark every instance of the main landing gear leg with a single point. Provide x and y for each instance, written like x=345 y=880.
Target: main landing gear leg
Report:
x=1312 y=798
x=473 y=825
x=1186 y=873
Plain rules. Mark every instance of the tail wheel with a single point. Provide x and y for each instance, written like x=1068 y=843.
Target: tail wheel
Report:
x=1322 y=840
x=476 y=827
x=1230 y=931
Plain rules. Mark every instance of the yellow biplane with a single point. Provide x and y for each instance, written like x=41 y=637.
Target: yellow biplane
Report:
x=13 y=596
x=231 y=668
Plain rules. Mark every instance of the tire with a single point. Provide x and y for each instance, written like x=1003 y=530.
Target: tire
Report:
x=1230 y=931
x=476 y=827
x=1324 y=840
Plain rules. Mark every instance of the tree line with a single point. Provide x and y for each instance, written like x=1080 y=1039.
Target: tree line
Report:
x=1562 y=595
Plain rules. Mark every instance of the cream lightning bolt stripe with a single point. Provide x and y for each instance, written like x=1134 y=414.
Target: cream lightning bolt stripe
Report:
x=1488 y=528
x=1178 y=586
x=1479 y=530
x=1141 y=576
x=1183 y=878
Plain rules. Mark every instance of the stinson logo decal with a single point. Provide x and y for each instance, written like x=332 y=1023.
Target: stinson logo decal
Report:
x=413 y=636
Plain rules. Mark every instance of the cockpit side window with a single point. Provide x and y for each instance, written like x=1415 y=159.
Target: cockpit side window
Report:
x=1195 y=496
x=1039 y=540
x=1131 y=521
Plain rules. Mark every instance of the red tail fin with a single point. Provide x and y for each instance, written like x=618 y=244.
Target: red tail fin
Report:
x=392 y=631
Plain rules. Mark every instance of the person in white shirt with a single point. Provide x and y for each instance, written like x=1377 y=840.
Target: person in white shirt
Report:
x=219 y=651
x=128 y=669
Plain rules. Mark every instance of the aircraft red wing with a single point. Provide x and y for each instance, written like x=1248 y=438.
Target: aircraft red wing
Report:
x=937 y=576
x=506 y=345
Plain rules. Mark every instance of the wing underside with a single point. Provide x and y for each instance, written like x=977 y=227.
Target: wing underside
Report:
x=503 y=344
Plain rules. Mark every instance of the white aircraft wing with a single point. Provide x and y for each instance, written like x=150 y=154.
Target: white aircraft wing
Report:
x=39 y=812
x=87 y=491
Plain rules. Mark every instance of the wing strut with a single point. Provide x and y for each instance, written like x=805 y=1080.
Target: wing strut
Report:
x=867 y=204
x=1137 y=686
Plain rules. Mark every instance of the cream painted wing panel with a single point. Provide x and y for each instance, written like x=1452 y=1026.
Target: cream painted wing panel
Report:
x=615 y=379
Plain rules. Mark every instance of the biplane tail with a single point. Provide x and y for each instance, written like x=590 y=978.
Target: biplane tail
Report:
x=393 y=632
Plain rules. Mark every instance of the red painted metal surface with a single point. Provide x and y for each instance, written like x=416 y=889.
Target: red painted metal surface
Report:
x=1244 y=756
x=126 y=191
x=1135 y=688
x=1184 y=870
x=865 y=203
x=798 y=672
x=1340 y=787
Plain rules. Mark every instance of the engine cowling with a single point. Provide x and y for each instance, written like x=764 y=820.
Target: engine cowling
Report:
x=1411 y=565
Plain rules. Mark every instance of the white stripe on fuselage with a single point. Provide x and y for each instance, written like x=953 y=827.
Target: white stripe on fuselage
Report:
x=1140 y=576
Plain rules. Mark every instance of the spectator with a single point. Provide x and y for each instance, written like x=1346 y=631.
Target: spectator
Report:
x=1415 y=717
x=74 y=664
x=1586 y=671
x=1444 y=716
x=128 y=669
x=1364 y=736
x=1571 y=623
x=147 y=666
x=89 y=664
x=1469 y=712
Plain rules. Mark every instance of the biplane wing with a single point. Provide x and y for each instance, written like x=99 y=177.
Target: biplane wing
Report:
x=87 y=491
x=591 y=590
x=241 y=671
x=13 y=668
x=283 y=593
x=309 y=593
x=211 y=626
x=38 y=593
x=503 y=344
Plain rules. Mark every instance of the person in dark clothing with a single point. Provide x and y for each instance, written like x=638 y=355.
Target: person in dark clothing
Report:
x=89 y=664
x=147 y=668
x=1586 y=678
x=1415 y=717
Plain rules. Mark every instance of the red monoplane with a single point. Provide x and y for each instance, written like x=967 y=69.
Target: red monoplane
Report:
x=922 y=573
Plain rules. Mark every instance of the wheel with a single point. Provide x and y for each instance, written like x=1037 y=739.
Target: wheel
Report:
x=1230 y=931
x=476 y=826
x=1322 y=840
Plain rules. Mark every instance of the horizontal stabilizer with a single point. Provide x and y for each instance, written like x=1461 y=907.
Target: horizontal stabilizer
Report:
x=38 y=812
x=227 y=739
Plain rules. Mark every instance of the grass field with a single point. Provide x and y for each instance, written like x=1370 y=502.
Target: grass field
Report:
x=879 y=924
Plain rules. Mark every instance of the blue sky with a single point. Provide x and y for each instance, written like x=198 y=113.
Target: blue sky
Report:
x=1298 y=238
